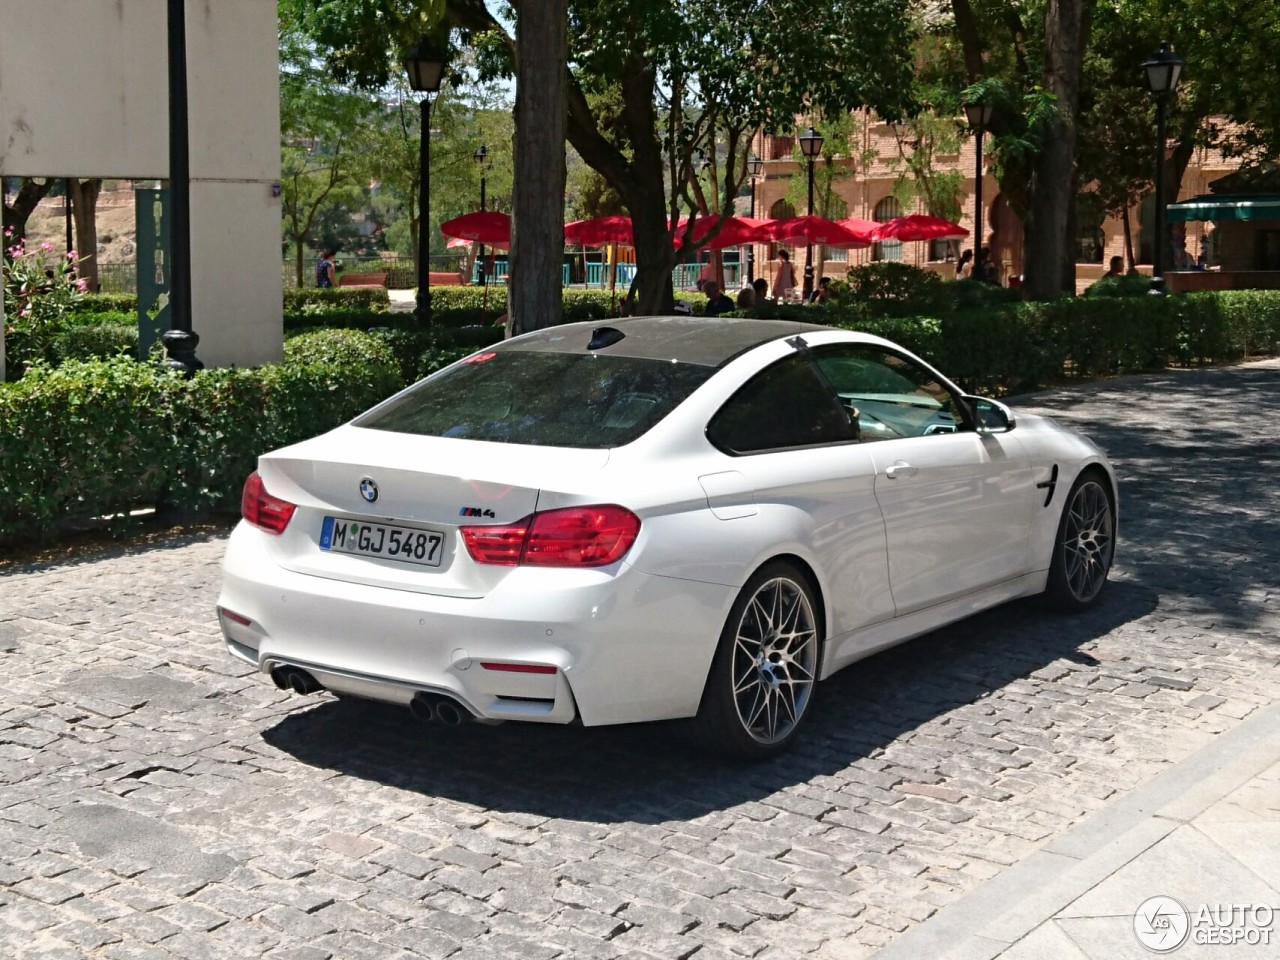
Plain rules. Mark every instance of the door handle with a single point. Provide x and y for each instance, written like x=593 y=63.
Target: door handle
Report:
x=900 y=469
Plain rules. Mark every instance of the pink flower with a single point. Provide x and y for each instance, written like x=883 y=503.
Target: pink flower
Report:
x=71 y=254
x=82 y=285
x=47 y=247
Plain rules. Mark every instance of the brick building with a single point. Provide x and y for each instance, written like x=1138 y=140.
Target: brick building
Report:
x=868 y=194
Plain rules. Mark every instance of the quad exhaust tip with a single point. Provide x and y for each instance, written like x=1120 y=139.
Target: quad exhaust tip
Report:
x=296 y=679
x=437 y=708
x=428 y=707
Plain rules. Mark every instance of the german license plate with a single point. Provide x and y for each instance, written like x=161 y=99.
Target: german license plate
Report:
x=365 y=539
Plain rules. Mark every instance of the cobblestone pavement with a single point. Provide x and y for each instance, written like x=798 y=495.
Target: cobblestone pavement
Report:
x=158 y=801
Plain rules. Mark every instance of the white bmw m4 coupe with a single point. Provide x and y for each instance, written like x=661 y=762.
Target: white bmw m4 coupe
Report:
x=667 y=517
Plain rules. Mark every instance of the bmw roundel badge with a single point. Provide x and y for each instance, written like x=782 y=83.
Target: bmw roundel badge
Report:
x=369 y=489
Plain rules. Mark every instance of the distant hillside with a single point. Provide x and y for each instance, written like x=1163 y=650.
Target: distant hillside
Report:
x=116 y=224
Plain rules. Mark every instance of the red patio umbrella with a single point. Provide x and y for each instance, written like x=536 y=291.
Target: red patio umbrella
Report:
x=734 y=232
x=457 y=243
x=483 y=226
x=811 y=229
x=862 y=228
x=600 y=230
x=918 y=226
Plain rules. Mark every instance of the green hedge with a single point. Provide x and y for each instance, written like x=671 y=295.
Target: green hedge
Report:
x=94 y=341
x=91 y=439
x=107 y=303
x=1128 y=285
x=313 y=301
x=88 y=439
x=413 y=350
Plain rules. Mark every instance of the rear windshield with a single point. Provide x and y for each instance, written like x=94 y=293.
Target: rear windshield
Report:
x=546 y=399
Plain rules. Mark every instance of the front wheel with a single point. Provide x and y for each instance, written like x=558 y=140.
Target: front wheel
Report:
x=1084 y=546
x=761 y=680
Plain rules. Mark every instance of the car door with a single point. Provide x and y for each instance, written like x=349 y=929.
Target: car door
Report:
x=954 y=500
x=794 y=468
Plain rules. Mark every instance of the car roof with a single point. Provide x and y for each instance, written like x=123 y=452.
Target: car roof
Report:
x=709 y=341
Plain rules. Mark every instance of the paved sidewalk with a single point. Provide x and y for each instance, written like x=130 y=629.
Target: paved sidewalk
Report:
x=403 y=301
x=159 y=799
x=1205 y=833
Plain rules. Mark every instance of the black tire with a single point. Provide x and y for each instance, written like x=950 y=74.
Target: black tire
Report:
x=761 y=682
x=1084 y=544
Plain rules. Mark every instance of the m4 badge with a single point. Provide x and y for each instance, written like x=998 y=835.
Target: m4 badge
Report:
x=476 y=512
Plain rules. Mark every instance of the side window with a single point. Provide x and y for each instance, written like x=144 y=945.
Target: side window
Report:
x=888 y=396
x=785 y=405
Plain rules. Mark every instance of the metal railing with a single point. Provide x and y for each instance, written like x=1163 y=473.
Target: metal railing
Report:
x=123 y=277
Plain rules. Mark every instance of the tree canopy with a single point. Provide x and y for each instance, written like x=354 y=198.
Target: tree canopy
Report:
x=655 y=85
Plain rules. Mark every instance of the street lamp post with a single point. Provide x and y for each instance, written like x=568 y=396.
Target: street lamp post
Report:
x=1163 y=70
x=481 y=157
x=425 y=66
x=754 y=167
x=179 y=340
x=811 y=147
x=979 y=116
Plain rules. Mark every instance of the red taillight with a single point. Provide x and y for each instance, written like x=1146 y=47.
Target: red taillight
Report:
x=262 y=509
x=517 y=667
x=496 y=544
x=573 y=537
x=234 y=617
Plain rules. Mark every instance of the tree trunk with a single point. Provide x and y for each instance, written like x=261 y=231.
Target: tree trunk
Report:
x=17 y=213
x=535 y=290
x=638 y=179
x=653 y=269
x=1049 y=243
x=298 y=260
x=84 y=209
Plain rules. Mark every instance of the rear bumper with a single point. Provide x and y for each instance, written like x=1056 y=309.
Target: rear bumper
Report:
x=618 y=645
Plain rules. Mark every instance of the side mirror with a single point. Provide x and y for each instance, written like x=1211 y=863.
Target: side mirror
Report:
x=991 y=416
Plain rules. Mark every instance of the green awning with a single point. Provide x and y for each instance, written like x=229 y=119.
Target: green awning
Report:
x=1219 y=207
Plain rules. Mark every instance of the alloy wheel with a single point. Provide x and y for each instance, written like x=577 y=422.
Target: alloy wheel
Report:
x=1087 y=541
x=775 y=652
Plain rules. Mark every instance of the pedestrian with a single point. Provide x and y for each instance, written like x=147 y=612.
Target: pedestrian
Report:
x=717 y=302
x=986 y=271
x=1115 y=268
x=746 y=298
x=822 y=292
x=784 y=278
x=965 y=266
x=326 y=269
x=761 y=286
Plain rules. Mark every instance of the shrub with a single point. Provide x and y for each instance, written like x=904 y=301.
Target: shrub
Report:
x=90 y=439
x=896 y=289
x=971 y=294
x=89 y=318
x=1129 y=285
x=108 y=303
x=81 y=441
x=1254 y=314
x=95 y=341
x=342 y=348
x=40 y=291
x=311 y=301
x=437 y=358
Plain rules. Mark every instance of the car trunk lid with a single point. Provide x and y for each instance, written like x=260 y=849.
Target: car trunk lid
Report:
x=419 y=486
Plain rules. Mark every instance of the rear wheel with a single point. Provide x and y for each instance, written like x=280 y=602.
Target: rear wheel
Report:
x=761 y=681
x=1085 y=544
